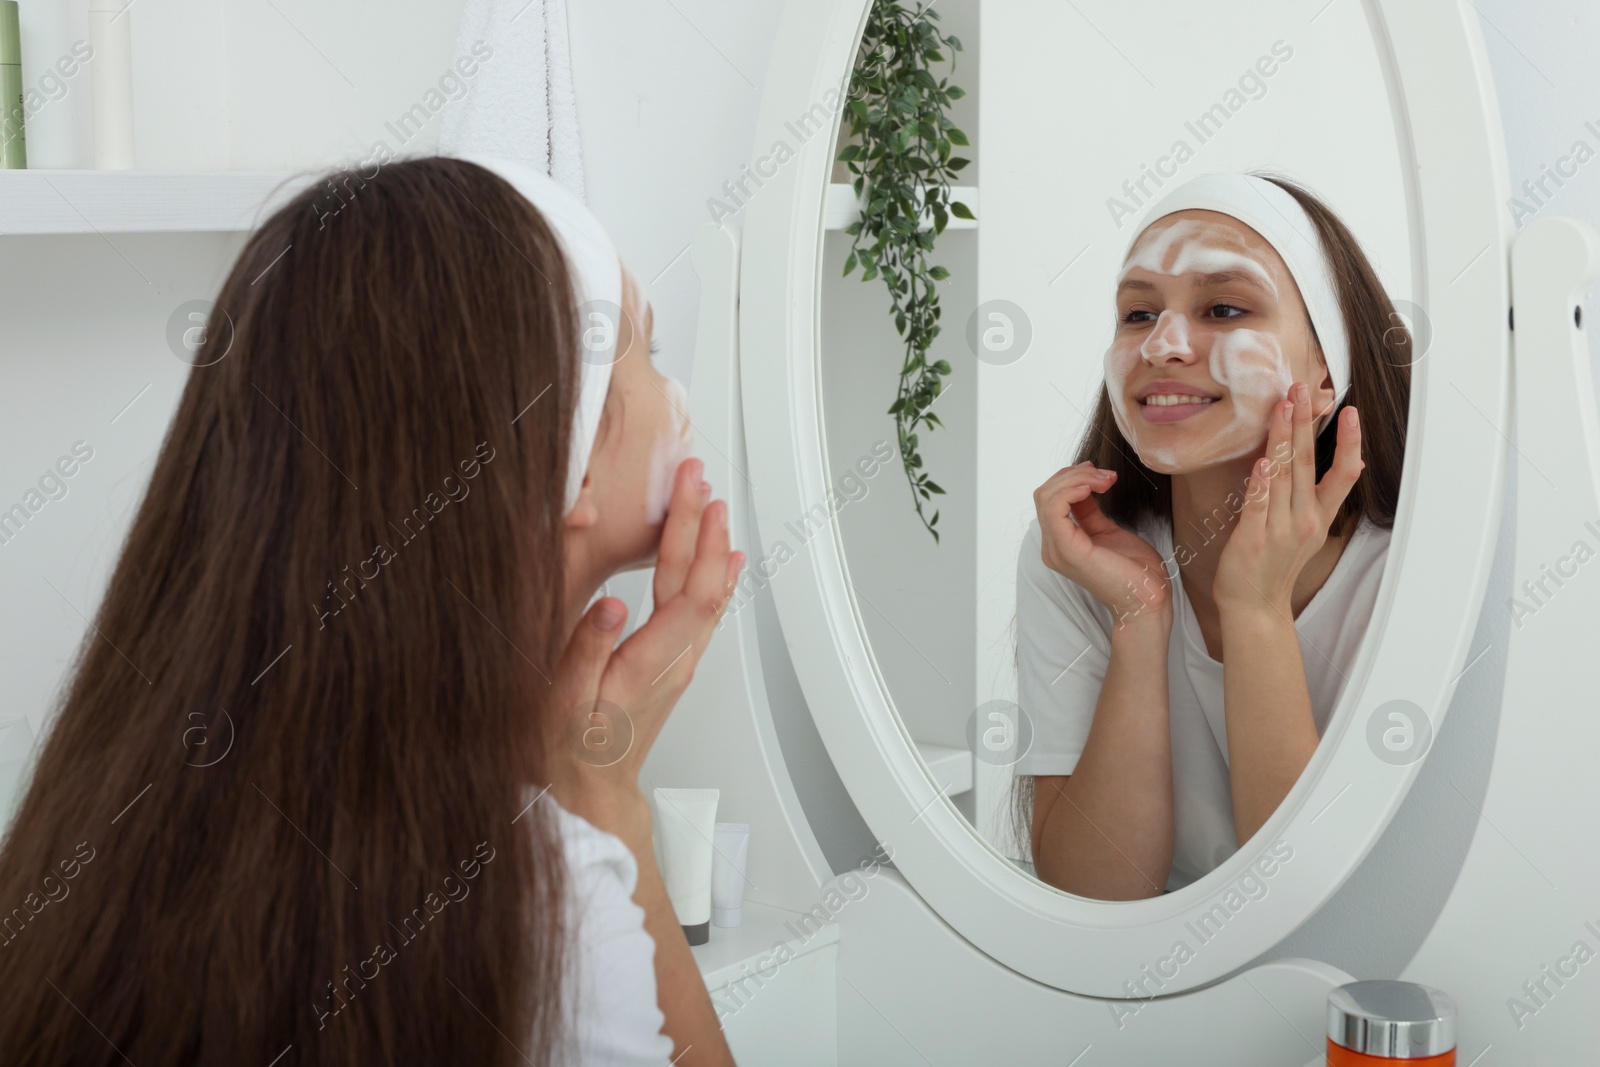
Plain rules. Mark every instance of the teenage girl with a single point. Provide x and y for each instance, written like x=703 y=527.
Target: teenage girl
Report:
x=1193 y=592
x=346 y=769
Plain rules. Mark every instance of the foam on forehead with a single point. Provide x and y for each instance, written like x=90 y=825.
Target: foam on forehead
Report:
x=1195 y=245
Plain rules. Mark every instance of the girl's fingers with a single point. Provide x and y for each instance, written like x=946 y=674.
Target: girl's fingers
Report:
x=1257 y=500
x=706 y=585
x=1347 y=464
x=679 y=531
x=1060 y=480
x=1086 y=509
x=664 y=650
x=1280 y=469
x=735 y=565
x=1305 y=451
x=1065 y=496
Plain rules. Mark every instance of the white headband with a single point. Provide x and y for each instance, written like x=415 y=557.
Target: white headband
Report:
x=597 y=285
x=1277 y=216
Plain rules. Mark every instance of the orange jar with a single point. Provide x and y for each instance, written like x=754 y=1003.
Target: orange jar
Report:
x=1391 y=1024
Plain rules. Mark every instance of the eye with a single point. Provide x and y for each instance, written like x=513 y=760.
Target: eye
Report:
x=1231 y=307
x=655 y=348
x=1129 y=317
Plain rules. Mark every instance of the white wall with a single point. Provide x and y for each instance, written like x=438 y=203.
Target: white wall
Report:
x=915 y=596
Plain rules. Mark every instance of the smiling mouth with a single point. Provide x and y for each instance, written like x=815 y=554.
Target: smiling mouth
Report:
x=1173 y=407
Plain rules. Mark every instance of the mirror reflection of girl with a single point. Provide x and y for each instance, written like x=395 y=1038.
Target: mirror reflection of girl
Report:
x=1193 y=593
x=327 y=747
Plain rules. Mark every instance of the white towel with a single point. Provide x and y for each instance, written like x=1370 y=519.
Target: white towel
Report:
x=520 y=106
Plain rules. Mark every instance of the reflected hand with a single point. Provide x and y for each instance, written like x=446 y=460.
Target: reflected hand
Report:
x=1287 y=512
x=1119 y=568
x=611 y=702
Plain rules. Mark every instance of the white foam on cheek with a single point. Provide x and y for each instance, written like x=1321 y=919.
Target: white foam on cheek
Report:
x=1251 y=364
x=671 y=448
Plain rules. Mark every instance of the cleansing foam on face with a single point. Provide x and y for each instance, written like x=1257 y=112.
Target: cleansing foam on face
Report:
x=685 y=820
x=13 y=146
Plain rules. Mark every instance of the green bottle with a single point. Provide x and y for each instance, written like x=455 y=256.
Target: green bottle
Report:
x=13 y=148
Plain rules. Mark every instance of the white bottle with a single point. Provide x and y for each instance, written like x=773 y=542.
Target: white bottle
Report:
x=111 y=74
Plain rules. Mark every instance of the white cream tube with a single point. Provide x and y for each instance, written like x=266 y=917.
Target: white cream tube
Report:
x=732 y=846
x=685 y=820
x=111 y=84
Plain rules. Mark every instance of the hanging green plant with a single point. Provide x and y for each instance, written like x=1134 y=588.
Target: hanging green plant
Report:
x=901 y=158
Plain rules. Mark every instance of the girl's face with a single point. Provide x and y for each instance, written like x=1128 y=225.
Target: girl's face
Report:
x=644 y=436
x=1211 y=333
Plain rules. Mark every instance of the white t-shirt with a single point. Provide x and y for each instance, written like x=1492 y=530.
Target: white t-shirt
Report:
x=1060 y=624
x=611 y=982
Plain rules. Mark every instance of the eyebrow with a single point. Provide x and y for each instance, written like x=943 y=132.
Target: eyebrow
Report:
x=1220 y=277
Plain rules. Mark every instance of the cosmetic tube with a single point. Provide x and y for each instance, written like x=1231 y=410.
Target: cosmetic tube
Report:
x=13 y=146
x=732 y=847
x=685 y=819
x=111 y=84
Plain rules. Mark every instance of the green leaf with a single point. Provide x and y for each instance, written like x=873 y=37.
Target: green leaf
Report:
x=849 y=264
x=961 y=210
x=897 y=113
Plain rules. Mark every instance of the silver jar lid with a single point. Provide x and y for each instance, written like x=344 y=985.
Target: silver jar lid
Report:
x=1400 y=1020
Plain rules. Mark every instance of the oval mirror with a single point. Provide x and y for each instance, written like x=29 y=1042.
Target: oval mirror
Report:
x=955 y=679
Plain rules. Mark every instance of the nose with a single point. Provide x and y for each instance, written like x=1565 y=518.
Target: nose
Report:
x=1169 y=339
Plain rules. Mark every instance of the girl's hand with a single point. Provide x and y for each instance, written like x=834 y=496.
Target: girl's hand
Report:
x=1287 y=512
x=1116 y=566
x=612 y=700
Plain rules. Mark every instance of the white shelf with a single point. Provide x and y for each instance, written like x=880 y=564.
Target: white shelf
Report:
x=132 y=201
x=738 y=950
x=951 y=767
x=843 y=208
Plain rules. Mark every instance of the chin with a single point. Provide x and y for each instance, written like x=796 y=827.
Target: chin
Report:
x=646 y=549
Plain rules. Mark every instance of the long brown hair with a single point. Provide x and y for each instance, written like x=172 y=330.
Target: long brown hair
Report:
x=280 y=811
x=1381 y=355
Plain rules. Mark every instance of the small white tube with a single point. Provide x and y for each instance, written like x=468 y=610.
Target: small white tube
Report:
x=111 y=84
x=732 y=847
x=685 y=819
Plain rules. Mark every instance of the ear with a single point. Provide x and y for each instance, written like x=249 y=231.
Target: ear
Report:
x=1322 y=393
x=586 y=512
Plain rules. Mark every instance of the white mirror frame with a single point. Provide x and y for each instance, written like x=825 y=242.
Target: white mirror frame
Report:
x=1448 y=518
